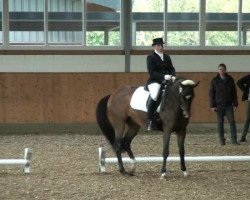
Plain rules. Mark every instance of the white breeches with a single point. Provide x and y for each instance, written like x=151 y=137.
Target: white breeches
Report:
x=154 y=90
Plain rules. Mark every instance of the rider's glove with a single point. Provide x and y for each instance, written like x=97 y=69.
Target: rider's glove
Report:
x=168 y=77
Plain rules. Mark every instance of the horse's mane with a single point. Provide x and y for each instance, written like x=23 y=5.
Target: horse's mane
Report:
x=179 y=79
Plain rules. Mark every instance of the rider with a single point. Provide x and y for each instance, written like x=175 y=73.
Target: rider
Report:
x=160 y=68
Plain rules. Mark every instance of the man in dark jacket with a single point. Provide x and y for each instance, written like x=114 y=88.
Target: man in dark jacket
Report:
x=160 y=68
x=223 y=101
x=244 y=85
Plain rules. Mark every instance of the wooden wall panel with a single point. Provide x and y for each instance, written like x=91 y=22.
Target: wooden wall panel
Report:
x=72 y=97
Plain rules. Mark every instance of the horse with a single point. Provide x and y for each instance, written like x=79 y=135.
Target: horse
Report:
x=120 y=123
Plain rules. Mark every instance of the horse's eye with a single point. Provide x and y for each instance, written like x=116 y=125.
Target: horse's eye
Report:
x=188 y=96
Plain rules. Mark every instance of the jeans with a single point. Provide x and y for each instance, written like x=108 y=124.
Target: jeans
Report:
x=247 y=122
x=227 y=111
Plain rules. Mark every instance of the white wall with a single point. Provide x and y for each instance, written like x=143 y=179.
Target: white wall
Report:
x=199 y=63
x=116 y=63
x=61 y=63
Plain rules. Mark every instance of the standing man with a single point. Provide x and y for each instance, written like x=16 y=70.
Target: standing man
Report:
x=223 y=101
x=244 y=85
x=160 y=68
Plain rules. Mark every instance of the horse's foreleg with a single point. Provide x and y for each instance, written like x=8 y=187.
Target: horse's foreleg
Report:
x=166 y=139
x=181 y=140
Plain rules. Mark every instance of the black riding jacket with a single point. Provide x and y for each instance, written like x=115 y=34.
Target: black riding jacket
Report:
x=158 y=69
x=222 y=92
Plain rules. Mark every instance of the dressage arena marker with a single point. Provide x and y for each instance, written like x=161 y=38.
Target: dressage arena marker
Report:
x=103 y=160
x=25 y=161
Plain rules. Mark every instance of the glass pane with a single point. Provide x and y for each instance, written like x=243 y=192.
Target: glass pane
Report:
x=95 y=38
x=245 y=33
x=247 y=37
x=246 y=6
x=221 y=23
x=65 y=21
x=147 y=21
x=147 y=6
x=26 y=21
x=103 y=22
x=1 y=17
x=183 y=23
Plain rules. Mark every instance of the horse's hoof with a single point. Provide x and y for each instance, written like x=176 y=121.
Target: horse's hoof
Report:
x=185 y=174
x=163 y=176
x=132 y=166
x=131 y=173
x=123 y=172
x=127 y=174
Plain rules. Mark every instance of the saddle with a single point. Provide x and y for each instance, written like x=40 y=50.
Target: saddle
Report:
x=140 y=100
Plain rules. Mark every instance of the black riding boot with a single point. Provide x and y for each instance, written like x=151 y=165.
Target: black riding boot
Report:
x=151 y=109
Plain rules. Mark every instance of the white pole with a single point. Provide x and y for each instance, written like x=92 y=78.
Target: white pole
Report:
x=103 y=160
x=12 y=162
x=187 y=158
x=25 y=161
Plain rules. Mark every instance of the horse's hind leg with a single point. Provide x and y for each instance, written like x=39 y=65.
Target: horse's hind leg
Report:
x=118 y=146
x=129 y=136
x=180 y=141
x=118 y=151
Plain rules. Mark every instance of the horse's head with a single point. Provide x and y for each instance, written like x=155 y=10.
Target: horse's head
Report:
x=186 y=94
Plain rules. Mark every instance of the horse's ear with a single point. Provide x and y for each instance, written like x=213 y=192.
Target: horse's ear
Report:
x=197 y=83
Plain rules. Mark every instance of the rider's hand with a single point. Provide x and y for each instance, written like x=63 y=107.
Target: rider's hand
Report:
x=168 y=77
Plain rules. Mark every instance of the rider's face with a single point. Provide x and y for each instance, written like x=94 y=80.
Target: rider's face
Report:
x=158 y=48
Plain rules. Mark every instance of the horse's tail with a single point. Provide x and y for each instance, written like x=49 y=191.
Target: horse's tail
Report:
x=103 y=121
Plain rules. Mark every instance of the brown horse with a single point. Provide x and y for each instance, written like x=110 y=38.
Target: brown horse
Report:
x=120 y=123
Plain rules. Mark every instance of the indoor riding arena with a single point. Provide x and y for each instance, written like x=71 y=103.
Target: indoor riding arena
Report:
x=58 y=58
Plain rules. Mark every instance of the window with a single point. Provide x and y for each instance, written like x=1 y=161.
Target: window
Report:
x=26 y=21
x=221 y=22
x=183 y=23
x=96 y=23
x=245 y=33
x=65 y=22
x=147 y=21
x=103 y=22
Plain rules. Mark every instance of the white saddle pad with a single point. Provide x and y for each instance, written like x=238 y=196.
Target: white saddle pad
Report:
x=139 y=99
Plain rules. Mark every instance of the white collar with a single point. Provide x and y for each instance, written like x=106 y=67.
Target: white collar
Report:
x=160 y=54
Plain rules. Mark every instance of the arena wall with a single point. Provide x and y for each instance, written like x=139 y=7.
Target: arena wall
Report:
x=72 y=97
